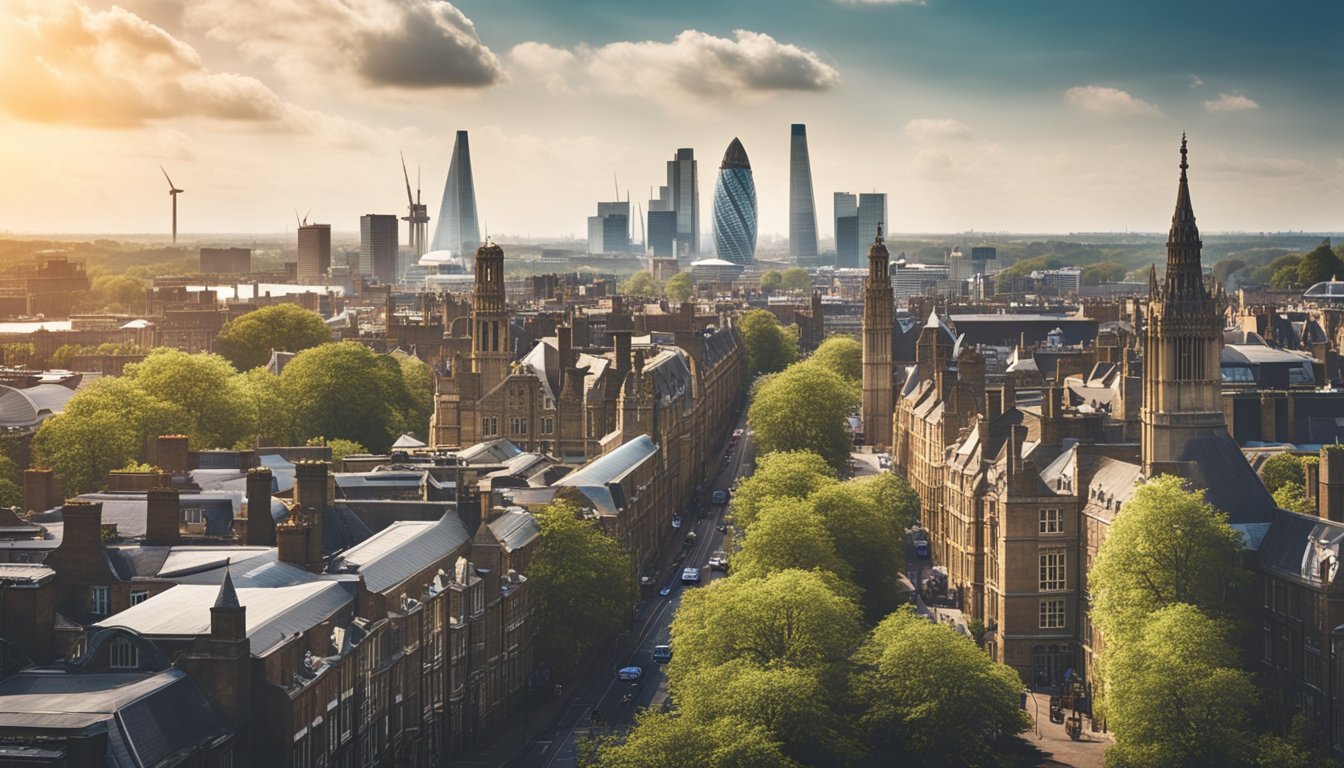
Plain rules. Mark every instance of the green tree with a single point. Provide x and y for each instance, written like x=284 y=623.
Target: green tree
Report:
x=1175 y=697
x=787 y=534
x=1319 y=265
x=781 y=474
x=1293 y=497
x=268 y=410
x=1103 y=272
x=1281 y=469
x=346 y=391
x=1166 y=546
x=679 y=287
x=666 y=740
x=1284 y=277
x=19 y=354
x=805 y=408
x=64 y=355
x=342 y=448
x=204 y=386
x=791 y=618
x=842 y=355
x=795 y=279
x=248 y=341
x=869 y=542
x=893 y=496
x=419 y=379
x=771 y=280
x=640 y=284
x=118 y=292
x=1226 y=268
x=770 y=346
x=931 y=697
x=10 y=495
x=582 y=586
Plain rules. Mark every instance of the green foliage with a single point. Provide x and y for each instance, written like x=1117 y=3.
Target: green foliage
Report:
x=664 y=740
x=342 y=448
x=1319 y=265
x=204 y=386
x=118 y=293
x=10 y=494
x=788 y=534
x=65 y=354
x=805 y=408
x=842 y=355
x=640 y=284
x=346 y=391
x=1293 y=497
x=9 y=470
x=419 y=380
x=931 y=698
x=894 y=497
x=1284 y=277
x=679 y=287
x=1281 y=469
x=247 y=341
x=268 y=410
x=771 y=280
x=582 y=586
x=1166 y=546
x=1226 y=268
x=869 y=541
x=782 y=474
x=19 y=354
x=770 y=346
x=1174 y=695
x=1104 y=272
x=795 y=279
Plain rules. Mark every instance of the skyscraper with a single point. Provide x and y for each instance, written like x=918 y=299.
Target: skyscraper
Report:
x=802 y=208
x=314 y=252
x=609 y=230
x=378 y=235
x=458 y=230
x=872 y=213
x=846 y=229
x=681 y=196
x=735 y=208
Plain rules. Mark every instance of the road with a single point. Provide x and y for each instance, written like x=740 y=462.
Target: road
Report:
x=616 y=702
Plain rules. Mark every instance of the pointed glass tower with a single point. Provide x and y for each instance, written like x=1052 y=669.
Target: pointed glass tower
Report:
x=458 y=230
x=735 y=208
x=802 y=208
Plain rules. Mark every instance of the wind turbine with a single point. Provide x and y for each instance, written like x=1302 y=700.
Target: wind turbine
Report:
x=174 y=191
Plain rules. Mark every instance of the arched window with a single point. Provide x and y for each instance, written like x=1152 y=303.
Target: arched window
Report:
x=123 y=654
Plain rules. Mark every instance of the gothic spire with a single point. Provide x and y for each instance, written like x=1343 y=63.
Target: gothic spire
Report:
x=1184 y=276
x=227 y=598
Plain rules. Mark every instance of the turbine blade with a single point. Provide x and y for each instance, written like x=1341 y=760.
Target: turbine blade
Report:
x=170 y=181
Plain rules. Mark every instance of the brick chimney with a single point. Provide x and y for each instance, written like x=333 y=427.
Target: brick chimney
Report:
x=172 y=456
x=260 y=524
x=298 y=540
x=1009 y=396
x=993 y=404
x=310 y=484
x=1311 y=471
x=39 y=489
x=1332 y=484
x=623 y=358
x=564 y=337
x=163 y=517
x=1017 y=435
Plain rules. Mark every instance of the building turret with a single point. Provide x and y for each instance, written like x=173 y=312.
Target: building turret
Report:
x=878 y=325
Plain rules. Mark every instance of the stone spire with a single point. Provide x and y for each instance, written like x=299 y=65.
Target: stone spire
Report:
x=228 y=597
x=1184 y=281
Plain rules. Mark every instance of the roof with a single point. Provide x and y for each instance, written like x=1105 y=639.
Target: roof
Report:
x=129 y=511
x=24 y=573
x=489 y=452
x=28 y=407
x=735 y=156
x=404 y=549
x=596 y=478
x=1299 y=545
x=515 y=529
x=408 y=441
x=1230 y=483
x=273 y=613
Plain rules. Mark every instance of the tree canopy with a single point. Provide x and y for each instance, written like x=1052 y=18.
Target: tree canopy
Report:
x=788 y=474
x=679 y=287
x=870 y=542
x=419 y=380
x=770 y=346
x=247 y=341
x=795 y=279
x=205 y=387
x=641 y=284
x=805 y=408
x=664 y=740
x=1319 y=265
x=1281 y=469
x=771 y=280
x=787 y=534
x=346 y=390
x=842 y=355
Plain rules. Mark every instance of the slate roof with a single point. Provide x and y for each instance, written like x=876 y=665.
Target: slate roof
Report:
x=1230 y=483
x=129 y=510
x=599 y=479
x=489 y=452
x=28 y=407
x=1299 y=545
x=404 y=549
x=515 y=529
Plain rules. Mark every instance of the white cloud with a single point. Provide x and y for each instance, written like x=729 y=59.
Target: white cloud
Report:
x=544 y=63
x=1110 y=101
x=1231 y=102
x=393 y=43
x=1196 y=81
x=696 y=67
x=929 y=129
x=933 y=163
x=66 y=63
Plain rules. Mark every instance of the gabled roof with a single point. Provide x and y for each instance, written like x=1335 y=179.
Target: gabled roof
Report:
x=597 y=478
x=515 y=529
x=403 y=549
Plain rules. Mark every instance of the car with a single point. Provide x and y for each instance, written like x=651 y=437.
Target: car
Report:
x=719 y=497
x=718 y=563
x=883 y=461
x=629 y=674
x=722 y=529
x=662 y=654
x=690 y=576
x=922 y=550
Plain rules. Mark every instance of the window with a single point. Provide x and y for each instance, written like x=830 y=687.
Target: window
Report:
x=139 y=596
x=1052 y=613
x=123 y=654
x=333 y=726
x=193 y=515
x=1052 y=569
x=1267 y=635
x=1311 y=662
x=100 y=600
x=1051 y=521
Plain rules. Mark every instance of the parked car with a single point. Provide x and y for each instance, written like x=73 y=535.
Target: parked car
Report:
x=662 y=654
x=883 y=461
x=718 y=563
x=720 y=497
x=630 y=674
x=690 y=576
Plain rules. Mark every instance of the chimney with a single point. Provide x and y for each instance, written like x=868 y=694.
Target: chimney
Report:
x=1332 y=484
x=1008 y=398
x=1054 y=401
x=39 y=489
x=1016 y=437
x=564 y=337
x=623 y=361
x=310 y=485
x=993 y=404
x=163 y=517
x=171 y=455
x=1311 y=471
x=468 y=493
x=580 y=324
x=298 y=541
x=260 y=524
x=83 y=527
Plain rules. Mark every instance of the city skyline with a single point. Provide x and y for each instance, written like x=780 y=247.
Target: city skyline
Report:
x=970 y=116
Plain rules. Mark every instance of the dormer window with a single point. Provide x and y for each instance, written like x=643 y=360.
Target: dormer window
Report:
x=123 y=654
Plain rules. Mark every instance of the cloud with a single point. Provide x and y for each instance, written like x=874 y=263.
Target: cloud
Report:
x=698 y=67
x=929 y=129
x=1260 y=167
x=544 y=63
x=414 y=44
x=1109 y=101
x=1196 y=81
x=65 y=63
x=1231 y=102
x=933 y=163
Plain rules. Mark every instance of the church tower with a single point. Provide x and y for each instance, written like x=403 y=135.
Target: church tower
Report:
x=1182 y=380
x=490 y=347
x=877 y=402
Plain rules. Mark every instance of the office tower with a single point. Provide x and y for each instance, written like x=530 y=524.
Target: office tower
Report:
x=662 y=235
x=609 y=230
x=681 y=197
x=378 y=235
x=219 y=261
x=458 y=230
x=735 y=208
x=314 y=252
x=846 y=230
x=872 y=213
x=878 y=326
x=802 y=208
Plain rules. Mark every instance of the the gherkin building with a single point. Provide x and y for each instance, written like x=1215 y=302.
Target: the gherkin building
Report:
x=735 y=208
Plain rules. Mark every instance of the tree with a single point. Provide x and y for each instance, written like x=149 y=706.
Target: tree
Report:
x=1103 y=272
x=1166 y=546
x=346 y=390
x=640 y=284
x=795 y=279
x=1175 y=697
x=791 y=618
x=786 y=474
x=19 y=354
x=805 y=408
x=268 y=410
x=1281 y=469
x=1293 y=497
x=247 y=341
x=771 y=280
x=204 y=386
x=842 y=355
x=582 y=584
x=342 y=448
x=1226 y=268
x=10 y=494
x=65 y=354
x=1319 y=265
x=787 y=534
x=419 y=380
x=679 y=287
x=770 y=346
x=667 y=740
x=930 y=696
x=1284 y=277
x=870 y=543
x=118 y=292
x=894 y=497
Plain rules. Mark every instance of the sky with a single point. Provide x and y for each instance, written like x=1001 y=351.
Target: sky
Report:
x=984 y=115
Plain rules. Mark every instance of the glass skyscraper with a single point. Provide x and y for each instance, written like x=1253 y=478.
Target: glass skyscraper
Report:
x=681 y=198
x=846 y=229
x=458 y=230
x=872 y=211
x=735 y=208
x=802 y=208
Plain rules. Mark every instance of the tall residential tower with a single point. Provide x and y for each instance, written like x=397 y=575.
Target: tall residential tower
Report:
x=735 y=208
x=802 y=208
x=458 y=230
